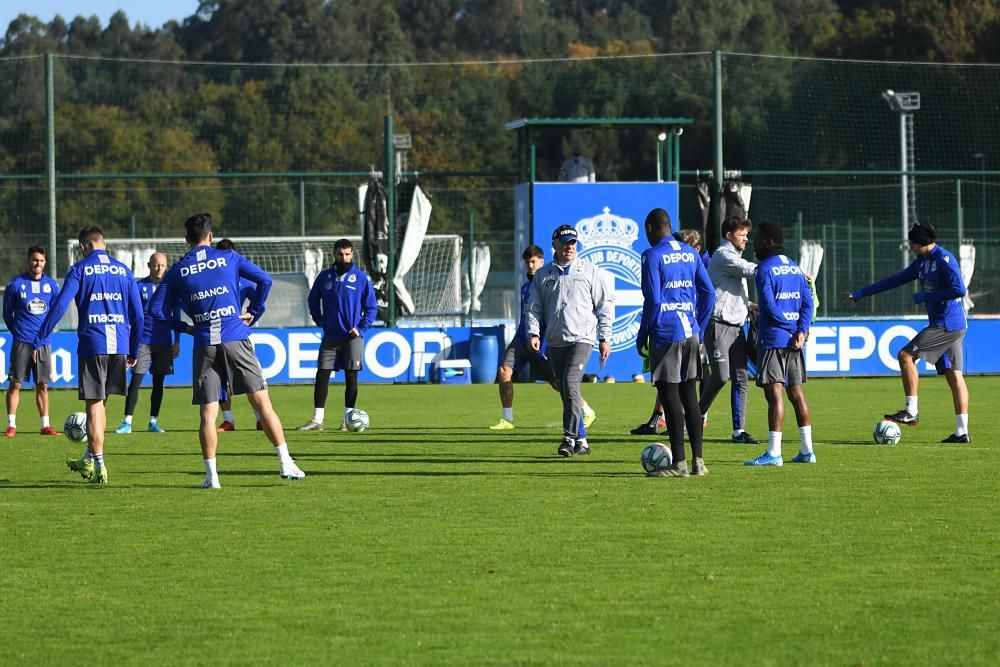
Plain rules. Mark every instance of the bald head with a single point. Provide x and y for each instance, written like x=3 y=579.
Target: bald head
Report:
x=157 y=266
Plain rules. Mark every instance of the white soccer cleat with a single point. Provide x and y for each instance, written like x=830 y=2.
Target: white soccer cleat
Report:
x=291 y=471
x=211 y=483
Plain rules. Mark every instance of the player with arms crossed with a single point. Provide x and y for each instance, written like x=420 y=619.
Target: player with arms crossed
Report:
x=939 y=343
x=341 y=302
x=109 y=327
x=25 y=301
x=518 y=353
x=206 y=283
x=786 y=312
x=677 y=303
x=158 y=348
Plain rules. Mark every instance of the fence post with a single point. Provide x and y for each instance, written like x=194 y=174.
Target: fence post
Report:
x=50 y=161
x=302 y=208
x=720 y=175
x=472 y=265
x=959 y=212
x=390 y=214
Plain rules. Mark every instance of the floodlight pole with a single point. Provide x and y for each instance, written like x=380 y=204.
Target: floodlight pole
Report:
x=904 y=183
x=905 y=104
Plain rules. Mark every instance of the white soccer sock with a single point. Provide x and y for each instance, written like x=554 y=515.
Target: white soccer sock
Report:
x=227 y=416
x=774 y=443
x=318 y=415
x=128 y=419
x=87 y=456
x=961 y=424
x=99 y=460
x=210 y=471
x=586 y=407
x=45 y=421
x=12 y=421
x=806 y=435
x=347 y=411
x=582 y=442
x=283 y=454
x=508 y=414
x=737 y=432
x=152 y=419
x=911 y=405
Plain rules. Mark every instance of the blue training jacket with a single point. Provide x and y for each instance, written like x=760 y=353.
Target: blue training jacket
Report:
x=941 y=288
x=25 y=303
x=522 y=325
x=338 y=304
x=154 y=331
x=785 y=300
x=206 y=284
x=107 y=304
x=678 y=296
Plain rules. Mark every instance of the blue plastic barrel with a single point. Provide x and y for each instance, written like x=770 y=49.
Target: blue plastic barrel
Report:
x=484 y=354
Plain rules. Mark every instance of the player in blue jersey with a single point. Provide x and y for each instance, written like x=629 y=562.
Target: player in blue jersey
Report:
x=247 y=289
x=342 y=303
x=785 y=315
x=110 y=322
x=518 y=353
x=205 y=283
x=940 y=343
x=677 y=302
x=158 y=348
x=26 y=300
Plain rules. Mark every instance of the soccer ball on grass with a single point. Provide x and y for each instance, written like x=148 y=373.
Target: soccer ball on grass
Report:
x=75 y=426
x=656 y=456
x=886 y=433
x=357 y=421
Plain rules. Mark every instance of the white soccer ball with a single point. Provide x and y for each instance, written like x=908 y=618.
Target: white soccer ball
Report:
x=886 y=433
x=656 y=456
x=75 y=426
x=357 y=421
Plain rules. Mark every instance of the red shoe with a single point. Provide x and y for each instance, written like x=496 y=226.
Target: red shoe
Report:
x=226 y=426
x=11 y=431
x=260 y=427
x=48 y=430
x=661 y=423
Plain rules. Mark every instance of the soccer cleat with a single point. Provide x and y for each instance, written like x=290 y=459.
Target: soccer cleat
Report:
x=745 y=438
x=699 y=468
x=804 y=458
x=343 y=425
x=963 y=439
x=766 y=459
x=212 y=483
x=81 y=466
x=589 y=416
x=566 y=447
x=226 y=426
x=48 y=430
x=124 y=428
x=581 y=448
x=100 y=477
x=643 y=429
x=11 y=431
x=680 y=469
x=309 y=426
x=502 y=425
x=290 y=471
x=903 y=417
x=154 y=427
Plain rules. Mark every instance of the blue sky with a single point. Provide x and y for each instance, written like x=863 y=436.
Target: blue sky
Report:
x=153 y=13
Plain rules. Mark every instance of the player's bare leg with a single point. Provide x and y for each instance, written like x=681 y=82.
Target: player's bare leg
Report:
x=207 y=433
x=908 y=370
x=261 y=402
x=13 y=401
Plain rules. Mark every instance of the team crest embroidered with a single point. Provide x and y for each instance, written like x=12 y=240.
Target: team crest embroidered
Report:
x=607 y=242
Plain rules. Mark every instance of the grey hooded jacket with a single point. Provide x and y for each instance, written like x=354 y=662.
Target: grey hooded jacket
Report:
x=577 y=305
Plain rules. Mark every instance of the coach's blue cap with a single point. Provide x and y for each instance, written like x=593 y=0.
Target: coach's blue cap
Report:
x=564 y=234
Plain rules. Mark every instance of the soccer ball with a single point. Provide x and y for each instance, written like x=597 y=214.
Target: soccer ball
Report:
x=75 y=426
x=357 y=421
x=656 y=456
x=886 y=433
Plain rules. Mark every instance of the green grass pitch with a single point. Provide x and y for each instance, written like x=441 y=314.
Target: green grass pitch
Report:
x=431 y=540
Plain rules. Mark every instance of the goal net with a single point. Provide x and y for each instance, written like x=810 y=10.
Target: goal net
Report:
x=434 y=282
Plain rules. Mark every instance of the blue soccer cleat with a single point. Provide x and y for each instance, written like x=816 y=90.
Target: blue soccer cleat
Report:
x=805 y=458
x=124 y=428
x=766 y=459
x=154 y=427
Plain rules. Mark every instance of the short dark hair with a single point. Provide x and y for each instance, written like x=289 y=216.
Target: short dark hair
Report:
x=225 y=244
x=659 y=219
x=772 y=232
x=197 y=227
x=90 y=234
x=342 y=243
x=734 y=223
x=532 y=251
x=37 y=249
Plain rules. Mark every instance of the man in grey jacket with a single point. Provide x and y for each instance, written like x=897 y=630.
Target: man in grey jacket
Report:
x=725 y=341
x=571 y=297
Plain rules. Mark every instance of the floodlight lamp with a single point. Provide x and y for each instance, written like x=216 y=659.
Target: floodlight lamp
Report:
x=662 y=136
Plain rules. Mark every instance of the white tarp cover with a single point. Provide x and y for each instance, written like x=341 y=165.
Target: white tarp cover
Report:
x=416 y=230
x=967 y=262
x=481 y=257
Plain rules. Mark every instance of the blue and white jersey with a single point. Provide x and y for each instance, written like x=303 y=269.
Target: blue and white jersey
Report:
x=25 y=303
x=205 y=283
x=941 y=288
x=154 y=331
x=677 y=294
x=785 y=300
x=338 y=304
x=107 y=305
